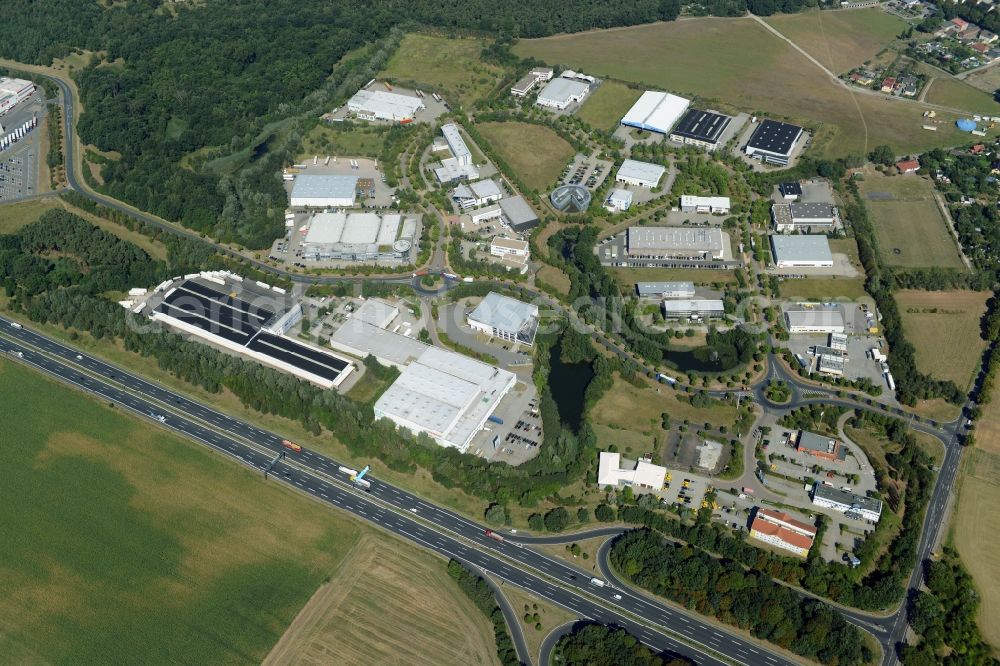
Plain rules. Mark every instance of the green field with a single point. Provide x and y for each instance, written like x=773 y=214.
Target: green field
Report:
x=634 y=412
x=355 y=142
x=956 y=93
x=536 y=153
x=15 y=215
x=841 y=40
x=125 y=544
x=627 y=277
x=738 y=62
x=451 y=67
x=608 y=104
x=910 y=228
x=944 y=329
x=824 y=288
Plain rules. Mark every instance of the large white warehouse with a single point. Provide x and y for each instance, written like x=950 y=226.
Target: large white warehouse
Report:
x=640 y=174
x=439 y=392
x=656 y=111
x=382 y=105
x=801 y=251
x=560 y=92
x=323 y=191
x=358 y=237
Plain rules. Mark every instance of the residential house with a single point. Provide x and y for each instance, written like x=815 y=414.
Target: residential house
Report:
x=979 y=47
x=908 y=166
x=889 y=84
x=960 y=24
x=978 y=149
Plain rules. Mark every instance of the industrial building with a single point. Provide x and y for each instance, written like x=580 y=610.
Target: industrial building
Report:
x=815 y=320
x=643 y=475
x=476 y=194
x=323 y=191
x=518 y=214
x=383 y=105
x=13 y=92
x=656 y=111
x=249 y=318
x=700 y=128
x=505 y=318
x=570 y=198
x=831 y=364
x=781 y=530
x=675 y=243
x=640 y=174
x=561 y=91
x=716 y=205
x=666 y=289
x=480 y=215
x=619 y=200
x=693 y=309
x=376 y=312
x=838 y=342
x=790 y=191
x=799 y=216
x=801 y=251
x=358 y=237
x=459 y=166
x=773 y=142
x=530 y=80
x=820 y=446
x=853 y=506
x=439 y=392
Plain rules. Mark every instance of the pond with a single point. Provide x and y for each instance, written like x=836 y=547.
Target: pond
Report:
x=568 y=383
x=702 y=359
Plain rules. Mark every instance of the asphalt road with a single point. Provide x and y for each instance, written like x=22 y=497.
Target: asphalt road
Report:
x=438 y=529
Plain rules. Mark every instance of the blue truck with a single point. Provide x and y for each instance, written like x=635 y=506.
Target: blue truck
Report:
x=495 y=419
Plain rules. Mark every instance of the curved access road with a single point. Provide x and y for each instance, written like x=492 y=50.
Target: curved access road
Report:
x=549 y=643
x=510 y=615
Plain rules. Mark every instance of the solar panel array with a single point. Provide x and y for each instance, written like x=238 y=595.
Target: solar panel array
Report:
x=242 y=323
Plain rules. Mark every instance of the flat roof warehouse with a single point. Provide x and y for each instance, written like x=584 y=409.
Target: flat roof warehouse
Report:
x=703 y=126
x=656 y=111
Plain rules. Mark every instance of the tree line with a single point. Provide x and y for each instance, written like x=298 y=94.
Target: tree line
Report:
x=601 y=645
x=483 y=597
x=748 y=599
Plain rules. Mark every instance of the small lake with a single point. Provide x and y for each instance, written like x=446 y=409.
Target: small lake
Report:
x=568 y=382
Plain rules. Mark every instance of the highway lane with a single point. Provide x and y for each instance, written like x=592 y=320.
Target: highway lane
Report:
x=506 y=560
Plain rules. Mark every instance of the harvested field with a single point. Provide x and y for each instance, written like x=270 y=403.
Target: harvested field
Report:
x=388 y=603
x=931 y=317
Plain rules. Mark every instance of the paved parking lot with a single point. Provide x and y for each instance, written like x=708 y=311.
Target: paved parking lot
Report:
x=858 y=362
x=519 y=437
x=589 y=172
x=19 y=163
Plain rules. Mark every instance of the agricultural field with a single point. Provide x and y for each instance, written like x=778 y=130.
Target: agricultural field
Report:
x=536 y=153
x=628 y=408
x=841 y=40
x=911 y=230
x=739 y=63
x=973 y=532
x=956 y=93
x=986 y=80
x=606 y=106
x=932 y=317
x=451 y=67
x=134 y=546
x=388 y=605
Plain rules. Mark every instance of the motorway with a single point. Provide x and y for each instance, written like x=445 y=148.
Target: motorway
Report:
x=890 y=630
x=663 y=627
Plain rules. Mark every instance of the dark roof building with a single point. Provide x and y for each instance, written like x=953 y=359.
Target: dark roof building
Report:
x=773 y=141
x=790 y=191
x=700 y=128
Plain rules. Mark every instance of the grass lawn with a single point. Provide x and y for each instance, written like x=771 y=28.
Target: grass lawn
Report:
x=534 y=152
x=627 y=277
x=911 y=230
x=550 y=616
x=451 y=67
x=15 y=215
x=974 y=528
x=943 y=327
x=134 y=546
x=957 y=93
x=368 y=388
x=841 y=40
x=824 y=288
x=634 y=409
x=555 y=277
x=740 y=63
x=608 y=104
x=326 y=140
x=400 y=595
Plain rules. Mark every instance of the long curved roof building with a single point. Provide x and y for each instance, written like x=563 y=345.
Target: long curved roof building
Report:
x=570 y=198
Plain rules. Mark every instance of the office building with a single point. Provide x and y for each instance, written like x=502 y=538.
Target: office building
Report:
x=781 y=530
x=666 y=289
x=506 y=318
x=642 y=475
x=815 y=320
x=640 y=174
x=715 y=205
x=383 y=105
x=854 y=506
